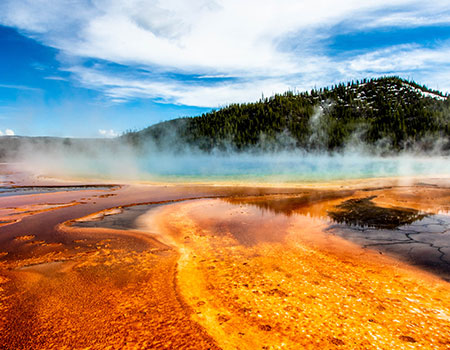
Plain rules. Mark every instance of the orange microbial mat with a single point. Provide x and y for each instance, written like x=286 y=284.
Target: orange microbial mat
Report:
x=363 y=265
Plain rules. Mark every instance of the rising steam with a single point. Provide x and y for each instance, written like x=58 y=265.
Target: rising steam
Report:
x=115 y=159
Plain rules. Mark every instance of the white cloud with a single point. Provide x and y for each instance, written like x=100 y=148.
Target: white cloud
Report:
x=422 y=14
x=7 y=132
x=55 y=78
x=121 y=89
x=266 y=46
x=401 y=58
x=107 y=133
x=19 y=87
x=196 y=36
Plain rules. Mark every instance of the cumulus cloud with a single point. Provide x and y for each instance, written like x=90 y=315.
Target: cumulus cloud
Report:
x=7 y=132
x=107 y=133
x=236 y=50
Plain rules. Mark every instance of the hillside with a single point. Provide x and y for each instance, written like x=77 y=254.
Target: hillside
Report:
x=14 y=148
x=382 y=115
x=390 y=112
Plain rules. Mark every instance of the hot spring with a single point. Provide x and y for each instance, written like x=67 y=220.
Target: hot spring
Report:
x=199 y=167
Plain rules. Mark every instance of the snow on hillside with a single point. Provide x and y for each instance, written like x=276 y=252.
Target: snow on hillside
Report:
x=425 y=93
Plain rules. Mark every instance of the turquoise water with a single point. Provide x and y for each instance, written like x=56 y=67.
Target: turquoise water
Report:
x=288 y=167
x=281 y=167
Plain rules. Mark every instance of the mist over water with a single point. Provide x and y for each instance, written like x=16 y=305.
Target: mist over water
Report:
x=287 y=167
x=124 y=163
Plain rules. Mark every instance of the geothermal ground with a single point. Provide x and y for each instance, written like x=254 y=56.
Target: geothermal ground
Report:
x=357 y=265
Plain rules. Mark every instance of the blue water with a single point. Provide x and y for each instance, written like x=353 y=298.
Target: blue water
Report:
x=289 y=167
x=280 y=167
x=6 y=191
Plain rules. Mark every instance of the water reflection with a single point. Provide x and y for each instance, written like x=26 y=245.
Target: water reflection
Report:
x=363 y=212
x=7 y=191
x=311 y=203
x=416 y=232
x=343 y=207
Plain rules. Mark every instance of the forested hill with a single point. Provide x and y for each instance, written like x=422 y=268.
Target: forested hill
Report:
x=390 y=111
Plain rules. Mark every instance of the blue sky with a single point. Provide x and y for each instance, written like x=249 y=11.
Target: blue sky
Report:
x=95 y=68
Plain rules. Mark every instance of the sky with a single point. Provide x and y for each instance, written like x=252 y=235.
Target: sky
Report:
x=97 y=68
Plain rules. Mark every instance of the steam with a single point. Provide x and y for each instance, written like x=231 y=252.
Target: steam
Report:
x=115 y=159
x=318 y=137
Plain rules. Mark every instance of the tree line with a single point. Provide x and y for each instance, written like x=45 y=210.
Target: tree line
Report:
x=389 y=110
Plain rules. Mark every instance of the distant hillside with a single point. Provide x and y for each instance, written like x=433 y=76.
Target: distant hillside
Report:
x=13 y=148
x=384 y=115
x=389 y=112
